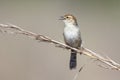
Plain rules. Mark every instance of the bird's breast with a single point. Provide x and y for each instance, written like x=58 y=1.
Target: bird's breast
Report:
x=72 y=36
x=71 y=32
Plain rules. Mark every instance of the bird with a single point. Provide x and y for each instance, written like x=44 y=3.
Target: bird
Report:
x=72 y=37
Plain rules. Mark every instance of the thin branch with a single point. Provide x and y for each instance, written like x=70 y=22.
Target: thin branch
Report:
x=12 y=29
x=76 y=75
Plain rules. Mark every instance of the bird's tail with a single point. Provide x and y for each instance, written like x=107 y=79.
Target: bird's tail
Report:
x=73 y=59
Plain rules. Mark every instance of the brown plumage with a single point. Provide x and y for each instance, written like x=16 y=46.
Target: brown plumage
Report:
x=71 y=18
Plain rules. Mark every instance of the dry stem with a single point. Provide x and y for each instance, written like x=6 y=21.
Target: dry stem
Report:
x=12 y=29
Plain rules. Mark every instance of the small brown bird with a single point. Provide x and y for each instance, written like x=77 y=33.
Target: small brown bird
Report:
x=72 y=37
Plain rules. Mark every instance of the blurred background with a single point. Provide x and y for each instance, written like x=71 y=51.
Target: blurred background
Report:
x=22 y=58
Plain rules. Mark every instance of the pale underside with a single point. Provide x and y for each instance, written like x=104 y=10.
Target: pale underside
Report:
x=72 y=36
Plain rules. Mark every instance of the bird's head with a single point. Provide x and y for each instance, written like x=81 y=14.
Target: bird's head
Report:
x=69 y=19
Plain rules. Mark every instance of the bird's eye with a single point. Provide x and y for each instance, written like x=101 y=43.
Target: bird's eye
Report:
x=67 y=17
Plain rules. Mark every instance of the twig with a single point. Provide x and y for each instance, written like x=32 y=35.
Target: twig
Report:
x=12 y=29
x=76 y=75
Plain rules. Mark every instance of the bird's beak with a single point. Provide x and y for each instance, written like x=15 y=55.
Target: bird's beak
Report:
x=61 y=18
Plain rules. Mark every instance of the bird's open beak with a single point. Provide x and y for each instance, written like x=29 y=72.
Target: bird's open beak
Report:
x=61 y=18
